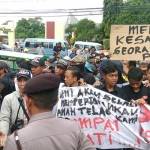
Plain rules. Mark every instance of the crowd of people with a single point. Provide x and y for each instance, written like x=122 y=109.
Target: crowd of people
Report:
x=29 y=95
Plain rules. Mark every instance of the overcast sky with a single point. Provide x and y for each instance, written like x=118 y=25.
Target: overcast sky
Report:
x=42 y=5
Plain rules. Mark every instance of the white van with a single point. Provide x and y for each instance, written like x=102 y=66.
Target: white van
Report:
x=47 y=44
x=84 y=45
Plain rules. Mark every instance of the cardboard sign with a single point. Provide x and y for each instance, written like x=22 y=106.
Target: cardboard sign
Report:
x=130 y=42
x=107 y=121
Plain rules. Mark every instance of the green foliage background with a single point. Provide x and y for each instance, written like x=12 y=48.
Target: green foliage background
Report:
x=30 y=28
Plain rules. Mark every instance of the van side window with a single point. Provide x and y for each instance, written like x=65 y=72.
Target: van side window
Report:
x=27 y=44
x=51 y=45
x=45 y=44
x=86 y=46
x=35 y=45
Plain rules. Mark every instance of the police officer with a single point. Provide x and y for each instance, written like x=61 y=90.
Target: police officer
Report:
x=44 y=131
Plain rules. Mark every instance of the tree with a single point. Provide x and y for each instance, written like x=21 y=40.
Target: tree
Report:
x=120 y=12
x=134 y=12
x=31 y=28
x=85 y=30
x=69 y=31
x=111 y=11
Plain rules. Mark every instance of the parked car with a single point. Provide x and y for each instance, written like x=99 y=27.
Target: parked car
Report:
x=84 y=45
x=5 y=47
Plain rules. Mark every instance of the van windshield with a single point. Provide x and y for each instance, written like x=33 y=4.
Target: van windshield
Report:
x=98 y=47
x=79 y=46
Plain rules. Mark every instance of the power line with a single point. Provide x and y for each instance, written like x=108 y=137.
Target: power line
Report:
x=49 y=12
x=56 y=10
x=57 y=15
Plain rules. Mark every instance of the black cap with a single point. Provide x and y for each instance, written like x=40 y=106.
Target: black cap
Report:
x=38 y=62
x=23 y=73
x=41 y=83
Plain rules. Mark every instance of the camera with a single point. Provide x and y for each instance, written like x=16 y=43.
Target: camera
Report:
x=17 y=125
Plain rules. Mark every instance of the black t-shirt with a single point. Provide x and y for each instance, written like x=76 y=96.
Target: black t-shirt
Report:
x=116 y=92
x=128 y=93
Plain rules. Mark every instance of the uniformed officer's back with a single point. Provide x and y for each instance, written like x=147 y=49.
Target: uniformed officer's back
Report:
x=44 y=130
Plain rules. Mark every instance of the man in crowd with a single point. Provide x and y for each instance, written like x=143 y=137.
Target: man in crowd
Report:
x=72 y=76
x=60 y=69
x=40 y=50
x=44 y=131
x=37 y=66
x=143 y=66
x=58 y=47
x=110 y=79
x=11 y=112
x=6 y=81
x=136 y=91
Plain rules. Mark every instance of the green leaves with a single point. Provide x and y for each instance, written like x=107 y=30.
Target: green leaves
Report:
x=85 y=30
x=31 y=28
x=121 y=12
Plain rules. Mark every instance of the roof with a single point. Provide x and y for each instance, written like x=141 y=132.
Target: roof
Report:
x=18 y=54
x=43 y=40
x=87 y=43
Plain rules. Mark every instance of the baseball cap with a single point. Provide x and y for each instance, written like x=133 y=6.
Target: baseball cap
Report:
x=62 y=64
x=23 y=73
x=78 y=59
x=38 y=62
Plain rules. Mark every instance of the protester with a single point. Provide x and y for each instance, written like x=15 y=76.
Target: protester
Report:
x=110 y=79
x=44 y=131
x=148 y=74
x=50 y=64
x=63 y=53
x=127 y=65
x=60 y=69
x=6 y=80
x=16 y=47
x=92 y=50
x=12 y=115
x=23 y=64
x=72 y=76
x=37 y=66
x=89 y=79
x=79 y=62
x=90 y=66
x=58 y=47
x=143 y=66
x=39 y=49
x=136 y=91
x=73 y=52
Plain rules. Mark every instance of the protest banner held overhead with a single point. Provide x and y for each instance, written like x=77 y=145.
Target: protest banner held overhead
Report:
x=107 y=121
x=130 y=42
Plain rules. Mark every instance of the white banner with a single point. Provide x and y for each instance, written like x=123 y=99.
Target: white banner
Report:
x=108 y=121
